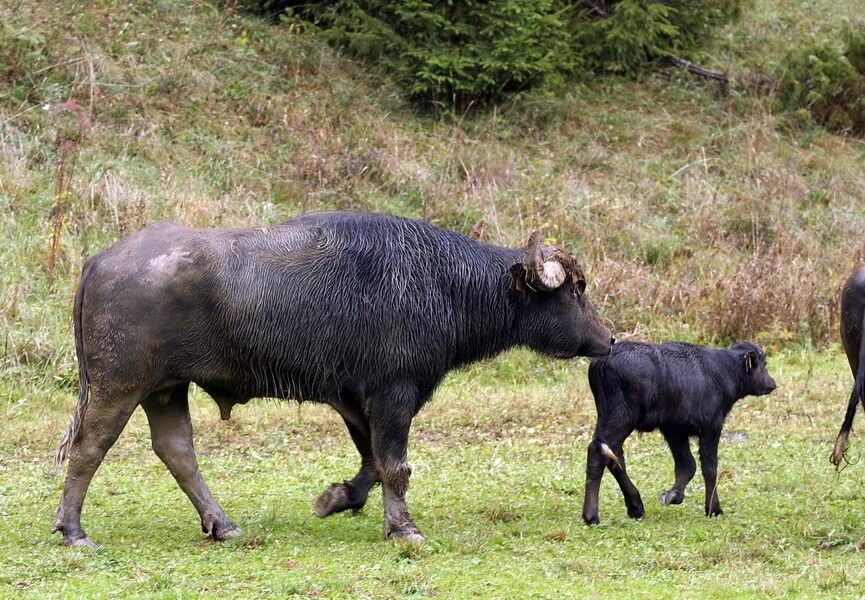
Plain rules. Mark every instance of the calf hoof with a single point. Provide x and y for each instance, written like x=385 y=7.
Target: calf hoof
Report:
x=671 y=497
x=83 y=541
x=336 y=498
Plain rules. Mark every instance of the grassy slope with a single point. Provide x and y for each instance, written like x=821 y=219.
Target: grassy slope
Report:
x=699 y=217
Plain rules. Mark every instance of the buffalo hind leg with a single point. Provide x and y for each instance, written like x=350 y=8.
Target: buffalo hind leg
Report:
x=709 y=466
x=171 y=437
x=390 y=420
x=351 y=495
x=685 y=467
x=104 y=419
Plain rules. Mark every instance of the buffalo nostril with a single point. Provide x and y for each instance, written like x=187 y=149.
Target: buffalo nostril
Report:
x=612 y=341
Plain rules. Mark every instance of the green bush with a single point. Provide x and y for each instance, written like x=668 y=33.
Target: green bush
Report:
x=457 y=53
x=625 y=35
x=829 y=82
x=454 y=53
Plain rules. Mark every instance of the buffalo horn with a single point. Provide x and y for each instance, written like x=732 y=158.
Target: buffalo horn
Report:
x=545 y=275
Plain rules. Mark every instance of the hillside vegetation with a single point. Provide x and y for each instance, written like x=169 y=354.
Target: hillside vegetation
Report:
x=697 y=214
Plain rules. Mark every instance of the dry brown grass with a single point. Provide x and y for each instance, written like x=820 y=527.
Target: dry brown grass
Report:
x=695 y=216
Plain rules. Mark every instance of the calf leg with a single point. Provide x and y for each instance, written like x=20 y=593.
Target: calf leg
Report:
x=390 y=419
x=171 y=438
x=351 y=494
x=709 y=466
x=606 y=451
x=685 y=467
x=633 y=502
x=105 y=417
x=596 y=463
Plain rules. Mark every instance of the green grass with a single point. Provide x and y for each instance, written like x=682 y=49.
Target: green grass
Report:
x=698 y=216
x=497 y=487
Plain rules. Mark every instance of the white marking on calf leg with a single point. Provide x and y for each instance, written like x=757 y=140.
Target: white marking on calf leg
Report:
x=606 y=451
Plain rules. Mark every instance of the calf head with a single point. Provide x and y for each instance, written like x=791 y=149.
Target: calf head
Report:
x=555 y=317
x=757 y=381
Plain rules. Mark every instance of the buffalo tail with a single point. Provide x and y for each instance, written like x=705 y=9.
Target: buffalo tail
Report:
x=62 y=451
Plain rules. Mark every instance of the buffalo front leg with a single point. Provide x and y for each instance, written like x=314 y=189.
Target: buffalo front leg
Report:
x=351 y=495
x=390 y=419
x=104 y=419
x=685 y=467
x=171 y=437
x=709 y=466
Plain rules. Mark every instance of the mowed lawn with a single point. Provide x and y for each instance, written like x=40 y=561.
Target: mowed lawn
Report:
x=498 y=460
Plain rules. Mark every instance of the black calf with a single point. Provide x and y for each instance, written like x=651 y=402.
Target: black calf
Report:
x=683 y=390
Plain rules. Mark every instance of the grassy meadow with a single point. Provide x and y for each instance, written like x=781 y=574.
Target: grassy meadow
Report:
x=698 y=215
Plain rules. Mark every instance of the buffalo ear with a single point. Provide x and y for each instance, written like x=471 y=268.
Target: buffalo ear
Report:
x=580 y=286
x=518 y=277
x=477 y=232
x=750 y=359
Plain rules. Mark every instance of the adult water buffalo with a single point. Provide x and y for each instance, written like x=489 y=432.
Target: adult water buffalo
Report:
x=852 y=317
x=361 y=311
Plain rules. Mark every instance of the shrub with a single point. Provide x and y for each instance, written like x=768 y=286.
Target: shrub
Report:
x=625 y=35
x=455 y=54
x=829 y=82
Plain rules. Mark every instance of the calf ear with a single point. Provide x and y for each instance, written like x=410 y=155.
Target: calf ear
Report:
x=750 y=359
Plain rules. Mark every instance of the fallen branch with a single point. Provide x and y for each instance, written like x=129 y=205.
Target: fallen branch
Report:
x=698 y=70
x=725 y=78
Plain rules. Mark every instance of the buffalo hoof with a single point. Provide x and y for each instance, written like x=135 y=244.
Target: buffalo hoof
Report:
x=220 y=529
x=592 y=520
x=670 y=497
x=84 y=541
x=227 y=534
x=406 y=535
x=337 y=498
x=636 y=512
x=332 y=500
x=714 y=512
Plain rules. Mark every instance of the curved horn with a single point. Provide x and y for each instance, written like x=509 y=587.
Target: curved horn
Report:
x=545 y=275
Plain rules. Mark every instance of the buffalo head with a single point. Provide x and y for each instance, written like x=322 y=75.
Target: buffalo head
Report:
x=557 y=318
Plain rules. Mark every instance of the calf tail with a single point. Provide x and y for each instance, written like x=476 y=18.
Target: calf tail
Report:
x=856 y=396
x=596 y=382
x=62 y=451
